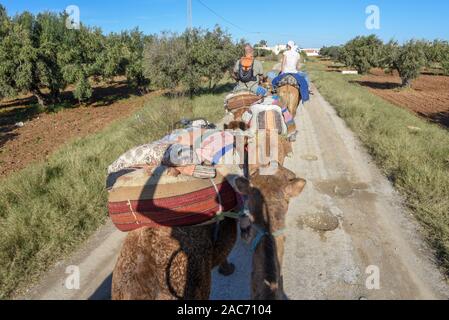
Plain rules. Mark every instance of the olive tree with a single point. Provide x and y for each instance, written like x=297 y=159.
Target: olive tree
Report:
x=192 y=59
x=213 y=53
x=332 y=52
x=79 y=59
x=362 y=53
x=18 y=61
x=408 y=59
x=165 y=60
x=28 y=56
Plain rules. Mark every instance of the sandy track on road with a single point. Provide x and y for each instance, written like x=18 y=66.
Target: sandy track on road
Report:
x=349 y=218
x=346 y=190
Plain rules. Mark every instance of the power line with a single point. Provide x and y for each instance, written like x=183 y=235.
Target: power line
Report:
x=224 y=19
x=238 y=27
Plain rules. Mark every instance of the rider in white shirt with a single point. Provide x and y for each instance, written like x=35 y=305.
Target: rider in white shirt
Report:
x=291 y=59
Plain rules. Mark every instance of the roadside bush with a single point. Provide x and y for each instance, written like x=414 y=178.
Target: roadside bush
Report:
x=445 y=61
x=445 y=66
x=331 y=52
x=435 y=52
x=28 y=56
x=362 y=53
x=262 y=52
x=165 y=60
x=190 y=59
x=407 y=59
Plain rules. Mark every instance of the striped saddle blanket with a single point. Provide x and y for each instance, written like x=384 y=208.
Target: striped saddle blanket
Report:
x=140 y=198
x=270 y=115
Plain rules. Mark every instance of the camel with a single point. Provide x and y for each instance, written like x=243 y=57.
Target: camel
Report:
x=269 y=198
x=176 y=263
x=284 y=146
x=290 y=97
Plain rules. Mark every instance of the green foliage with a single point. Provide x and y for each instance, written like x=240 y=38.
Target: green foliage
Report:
x=262 y=52
x=39 y=54
x=445 y=62
x=362 y=53
x=165 y=60
x=262 y=43
x=437 y=55
x=407 y=59
x=18 y=59
x=189 y=59
x=212 y=53
x=303 y=55
x=332 y=52
x=434 y=51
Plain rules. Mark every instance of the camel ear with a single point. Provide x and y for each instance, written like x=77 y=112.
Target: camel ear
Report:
x=243 y=186
x=294 y=187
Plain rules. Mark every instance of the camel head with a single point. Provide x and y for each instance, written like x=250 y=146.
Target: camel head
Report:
x=268 y=201
x=269 y=196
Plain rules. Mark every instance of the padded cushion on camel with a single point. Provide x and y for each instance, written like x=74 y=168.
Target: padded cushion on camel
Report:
x=289 y=80
x=139 y=199
x=240 y=100
x=269 y=120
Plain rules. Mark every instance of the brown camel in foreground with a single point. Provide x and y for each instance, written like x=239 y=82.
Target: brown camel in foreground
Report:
x=176 y=263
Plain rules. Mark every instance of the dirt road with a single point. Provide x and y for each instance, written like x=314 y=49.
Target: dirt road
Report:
x=349 y=221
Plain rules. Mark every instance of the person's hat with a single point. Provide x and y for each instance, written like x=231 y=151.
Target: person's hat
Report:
x=291 y=44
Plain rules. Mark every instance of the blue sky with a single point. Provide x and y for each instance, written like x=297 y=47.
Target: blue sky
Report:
x=309 y=23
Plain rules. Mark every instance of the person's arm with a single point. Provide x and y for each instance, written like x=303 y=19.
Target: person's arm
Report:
x=299 y=65
x=260 y=71
x=234 y=73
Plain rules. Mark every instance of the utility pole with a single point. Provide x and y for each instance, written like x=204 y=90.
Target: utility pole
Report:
x=189 y=15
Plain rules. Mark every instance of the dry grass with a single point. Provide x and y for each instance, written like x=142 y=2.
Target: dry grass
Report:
x=48 y=209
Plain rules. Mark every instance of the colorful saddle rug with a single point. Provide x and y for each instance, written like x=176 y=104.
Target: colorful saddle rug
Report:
x=139 y=198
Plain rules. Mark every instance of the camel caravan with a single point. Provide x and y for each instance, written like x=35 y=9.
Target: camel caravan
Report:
x=184 y=200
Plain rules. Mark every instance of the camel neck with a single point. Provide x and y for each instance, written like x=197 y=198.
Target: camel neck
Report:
x=269 y=268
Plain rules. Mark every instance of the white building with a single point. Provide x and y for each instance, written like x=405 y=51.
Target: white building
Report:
x=311 y=52
x=276 y=49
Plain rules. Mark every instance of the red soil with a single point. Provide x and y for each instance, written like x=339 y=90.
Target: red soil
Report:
x=428 y=96
x=44 y=133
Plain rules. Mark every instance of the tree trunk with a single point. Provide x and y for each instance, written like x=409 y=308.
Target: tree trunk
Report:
x=55 y=96
x=40 y=97
x=406 y=83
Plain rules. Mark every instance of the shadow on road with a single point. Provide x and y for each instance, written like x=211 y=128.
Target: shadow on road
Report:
x=234 y=287
x=104 y=290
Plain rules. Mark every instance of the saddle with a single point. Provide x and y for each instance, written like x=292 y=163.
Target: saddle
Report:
x=152 y=198
x=289 y=80
x=240 y=100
